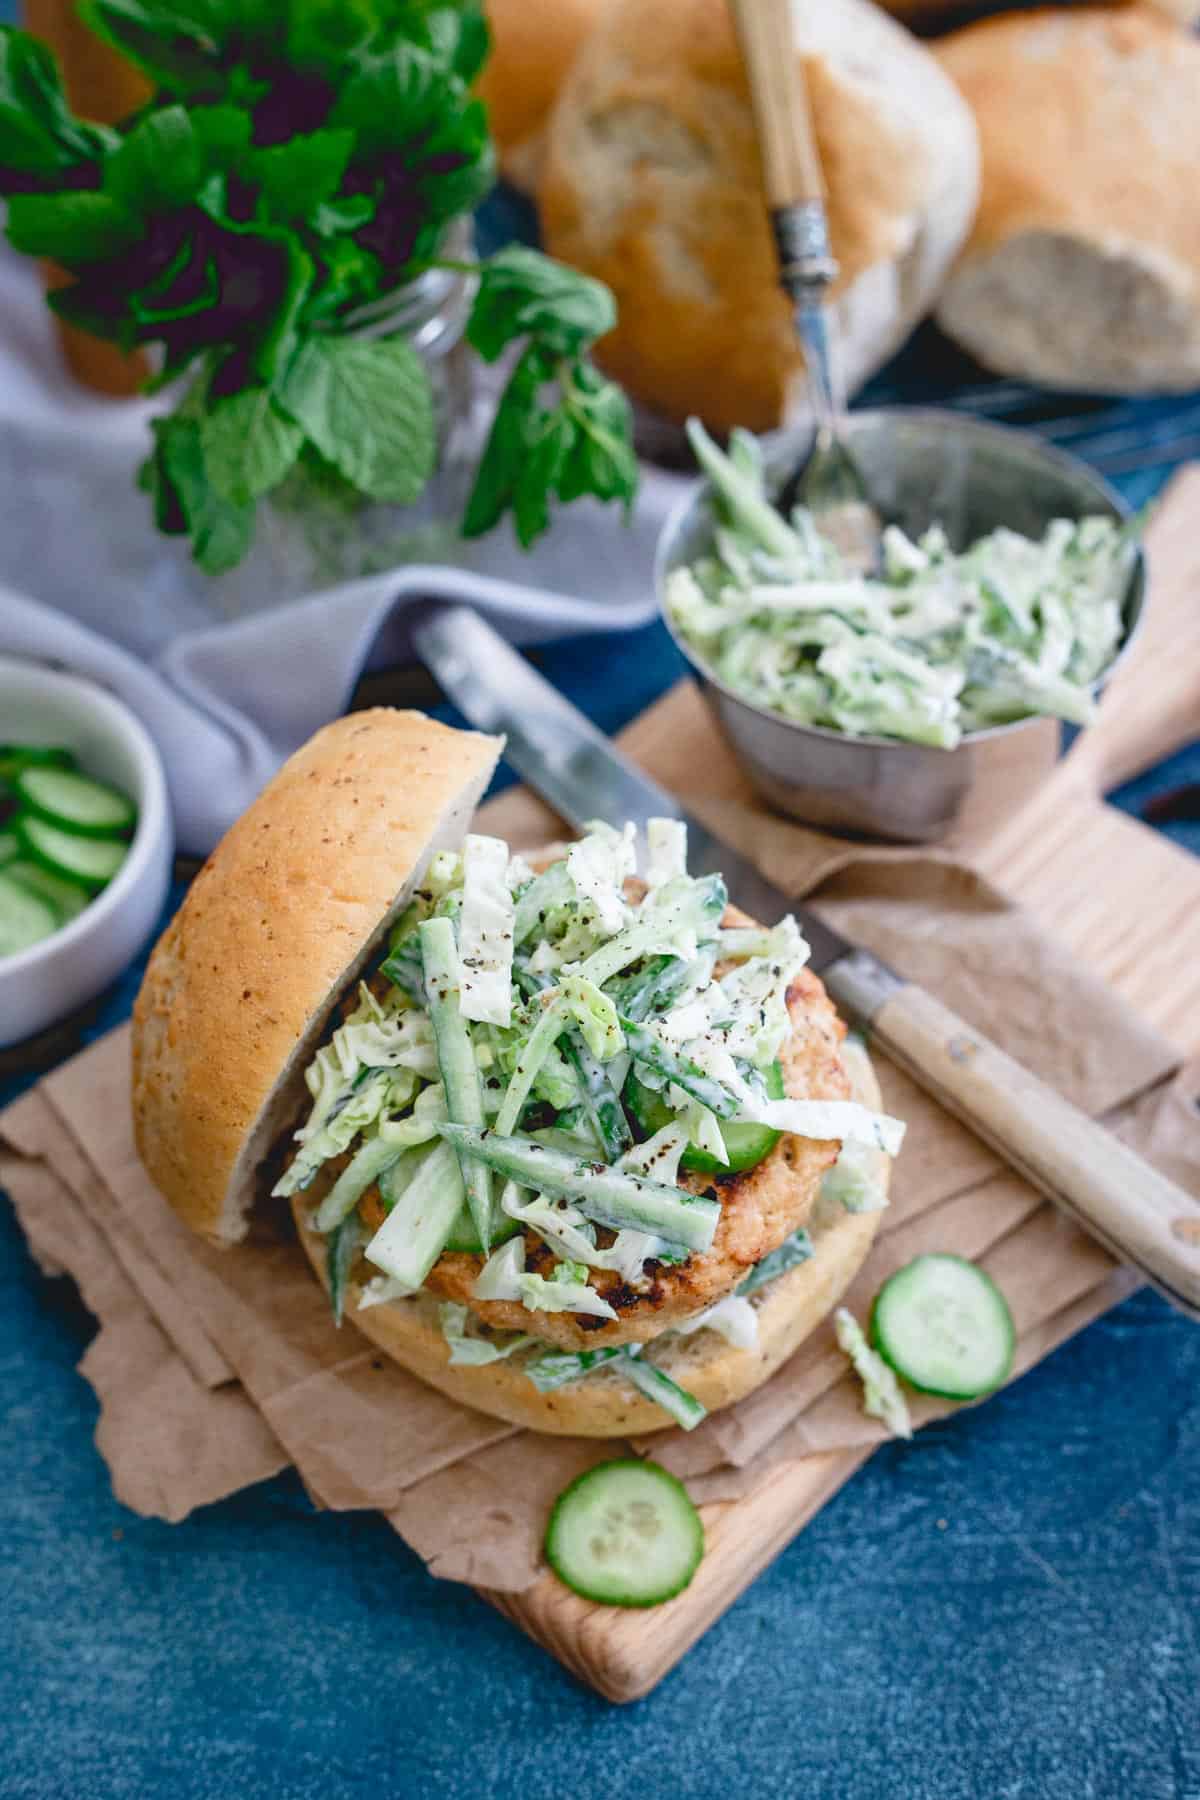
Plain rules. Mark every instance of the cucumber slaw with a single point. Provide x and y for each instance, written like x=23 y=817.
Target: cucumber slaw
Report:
x=560 y=1110
x=939 y=644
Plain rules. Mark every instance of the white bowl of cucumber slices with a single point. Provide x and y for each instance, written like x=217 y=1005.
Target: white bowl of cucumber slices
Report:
x=85 y=843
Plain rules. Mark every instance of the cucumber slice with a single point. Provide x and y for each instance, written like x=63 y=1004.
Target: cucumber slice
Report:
x=10 y=847
x=746 y=1144
x=15 y=757
x=464 y=1237
x=456 y=1058
x=945 y=1327
x=625 y=1534
x=75 y=802
x=25 y=918
x=414 y=1234
x=91 y=861
x=67 y=898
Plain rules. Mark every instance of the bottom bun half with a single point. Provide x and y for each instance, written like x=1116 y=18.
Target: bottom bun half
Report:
x=603 y=1404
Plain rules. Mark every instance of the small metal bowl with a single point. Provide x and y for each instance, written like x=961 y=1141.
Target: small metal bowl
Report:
x=921 y=466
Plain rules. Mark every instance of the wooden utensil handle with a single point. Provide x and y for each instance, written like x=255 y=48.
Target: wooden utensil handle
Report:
x=791 y=166
x=1141 y=1216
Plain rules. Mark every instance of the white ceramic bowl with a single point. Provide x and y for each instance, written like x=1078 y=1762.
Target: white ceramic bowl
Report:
x=49 y=980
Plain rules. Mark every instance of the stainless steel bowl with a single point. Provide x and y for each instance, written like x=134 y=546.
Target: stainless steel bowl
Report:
x=921 y=466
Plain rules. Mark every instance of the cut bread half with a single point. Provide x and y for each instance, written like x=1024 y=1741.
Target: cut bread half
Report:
x=290 y=908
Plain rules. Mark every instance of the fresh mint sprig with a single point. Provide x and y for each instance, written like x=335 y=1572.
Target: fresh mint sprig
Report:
x=301 y=160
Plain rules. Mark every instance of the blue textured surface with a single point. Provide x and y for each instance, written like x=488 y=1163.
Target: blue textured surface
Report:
x=1007 y=1609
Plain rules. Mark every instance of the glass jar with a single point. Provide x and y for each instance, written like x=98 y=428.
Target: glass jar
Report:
x=311 y=535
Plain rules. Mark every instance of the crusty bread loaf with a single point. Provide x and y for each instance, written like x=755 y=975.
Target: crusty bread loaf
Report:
x=534 y=43
x=1083 y=268
x=605 y=1405
x=285 y=912
x=932 y=15
x=652 y=182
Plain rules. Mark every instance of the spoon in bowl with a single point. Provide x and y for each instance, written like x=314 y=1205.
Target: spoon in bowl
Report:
x=829 y=483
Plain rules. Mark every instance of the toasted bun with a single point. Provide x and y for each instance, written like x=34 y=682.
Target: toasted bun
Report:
x=287 y=910
x=1083 y=268
x=652 y=182
x=605 y=1405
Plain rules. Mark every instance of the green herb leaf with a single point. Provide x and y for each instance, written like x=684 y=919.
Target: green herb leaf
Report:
x=602 y=459
x=221 y=530
x=39 y=135
x=175 y=44
x=279 y=341
x=580 y=446
x=224 y=133
x=393 y=98
x=368 y=409
x=249 y=444
x=524 y=294
x=423 y=149
x=324 y=34
x=72 y=227
x=518 y=422
x=160 y=164
x=297 y=177
x=348 y=214
x=460 y=37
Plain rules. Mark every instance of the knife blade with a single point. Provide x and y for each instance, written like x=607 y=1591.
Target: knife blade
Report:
x=1143 y=1218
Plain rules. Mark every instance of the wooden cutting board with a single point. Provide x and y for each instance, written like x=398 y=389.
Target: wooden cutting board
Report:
x=1127 y=902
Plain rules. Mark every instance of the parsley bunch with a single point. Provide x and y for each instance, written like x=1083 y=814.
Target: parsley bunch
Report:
x=298 y=160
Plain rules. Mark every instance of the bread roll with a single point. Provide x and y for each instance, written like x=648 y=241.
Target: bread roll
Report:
x=534 y=43
x=932 y=15
x=652 y=182
x=1083 y=268
x=284 y=914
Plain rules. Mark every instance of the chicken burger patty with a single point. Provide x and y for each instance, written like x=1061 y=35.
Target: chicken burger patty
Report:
x=759 y=1209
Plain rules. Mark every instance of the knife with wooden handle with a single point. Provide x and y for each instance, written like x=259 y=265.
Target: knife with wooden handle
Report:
x=1140 y=1216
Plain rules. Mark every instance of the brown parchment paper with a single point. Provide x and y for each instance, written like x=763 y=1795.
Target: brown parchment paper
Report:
x=213 y=1369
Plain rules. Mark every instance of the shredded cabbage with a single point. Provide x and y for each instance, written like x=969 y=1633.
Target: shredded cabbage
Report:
x=381 y=1290
x=353 y=1112
x=503 y=1277
x=666 y=851
x=468 y=1351
x=595 y=1015
x=941 y=643
x=732 y=1318
x=566 y=1291
x=599 y=865
x=485 y=935
x=844 y=1119
x=500 y=1274
x=856 y=1179
x=881 y=1391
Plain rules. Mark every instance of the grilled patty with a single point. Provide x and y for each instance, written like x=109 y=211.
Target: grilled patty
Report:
x=759 y=1209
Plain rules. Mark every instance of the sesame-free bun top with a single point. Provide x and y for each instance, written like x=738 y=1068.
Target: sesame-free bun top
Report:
x=287 y=910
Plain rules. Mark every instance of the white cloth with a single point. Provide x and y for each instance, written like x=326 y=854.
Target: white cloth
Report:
x=87 y=582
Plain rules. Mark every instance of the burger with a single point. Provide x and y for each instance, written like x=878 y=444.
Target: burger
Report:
x=570 y=1138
